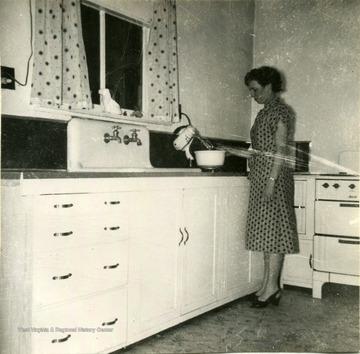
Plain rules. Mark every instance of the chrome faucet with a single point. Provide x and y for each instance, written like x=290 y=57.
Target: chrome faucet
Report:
x=134 y=138
x=115 y=136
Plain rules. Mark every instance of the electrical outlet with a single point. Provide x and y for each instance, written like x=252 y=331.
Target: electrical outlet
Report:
x=7 y=78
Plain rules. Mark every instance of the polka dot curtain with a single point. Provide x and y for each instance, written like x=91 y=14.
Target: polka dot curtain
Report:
x=162 y=64
x=60 y=74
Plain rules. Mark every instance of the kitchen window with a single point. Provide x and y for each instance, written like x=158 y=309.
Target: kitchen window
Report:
x=113 y=47
x=81 y=47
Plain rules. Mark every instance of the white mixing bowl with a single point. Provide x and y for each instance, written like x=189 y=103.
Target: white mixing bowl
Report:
x=210 y=159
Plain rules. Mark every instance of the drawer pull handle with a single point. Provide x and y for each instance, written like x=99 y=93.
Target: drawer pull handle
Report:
x=61 y=339
x=111 y=266
x=56 y=206
x=344 y=205
x=109 y=323
x=62 y=277
x=298 y=207
x=63 y=233
x=310 y=261
x=350 y=242
x=112 y=228
x=187 y=234
x=113 y=202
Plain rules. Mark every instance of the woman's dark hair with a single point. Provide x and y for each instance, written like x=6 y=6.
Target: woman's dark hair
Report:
x=265 y=75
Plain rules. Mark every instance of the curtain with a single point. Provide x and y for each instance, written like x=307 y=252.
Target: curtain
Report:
x=162 y=64
x=60 y=73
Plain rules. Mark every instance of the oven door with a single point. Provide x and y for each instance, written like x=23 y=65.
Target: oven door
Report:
x=337 y=218
x=336 y=254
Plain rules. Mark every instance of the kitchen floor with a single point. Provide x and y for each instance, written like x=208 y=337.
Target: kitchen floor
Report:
x=299 y=324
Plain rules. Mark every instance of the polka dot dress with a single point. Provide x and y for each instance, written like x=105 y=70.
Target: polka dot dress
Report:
x=271 y=226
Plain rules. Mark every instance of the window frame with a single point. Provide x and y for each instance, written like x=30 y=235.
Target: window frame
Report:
x=145 y=35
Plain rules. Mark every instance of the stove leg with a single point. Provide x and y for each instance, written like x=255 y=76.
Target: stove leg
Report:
x=319 y=278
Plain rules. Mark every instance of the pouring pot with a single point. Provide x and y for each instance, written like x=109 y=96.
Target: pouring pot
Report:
x=210 y=159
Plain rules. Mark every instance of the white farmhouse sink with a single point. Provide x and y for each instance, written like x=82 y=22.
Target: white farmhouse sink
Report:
x=101 y=146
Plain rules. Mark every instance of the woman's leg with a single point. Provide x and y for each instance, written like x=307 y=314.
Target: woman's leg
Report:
x=275 y=266
x=266 y=274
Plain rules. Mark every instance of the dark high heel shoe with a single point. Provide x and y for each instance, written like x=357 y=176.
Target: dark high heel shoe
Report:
x=273 y=299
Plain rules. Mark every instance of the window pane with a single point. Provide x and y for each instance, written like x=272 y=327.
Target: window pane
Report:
x=124 y=62
x=91 y=32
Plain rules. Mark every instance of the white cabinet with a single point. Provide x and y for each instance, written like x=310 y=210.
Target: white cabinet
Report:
x=172 y=257
x=154 y=257
x=242 y=269
x=104 y=263
x=298 y=267
x=90 y=326
x=77 y=268
x=199 y=248
x=187 y=253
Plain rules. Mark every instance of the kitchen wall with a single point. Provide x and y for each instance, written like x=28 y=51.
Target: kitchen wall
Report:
x=316 y=44
x=215 y=50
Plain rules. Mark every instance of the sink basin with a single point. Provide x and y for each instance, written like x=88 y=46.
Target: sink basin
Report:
x=102 y=146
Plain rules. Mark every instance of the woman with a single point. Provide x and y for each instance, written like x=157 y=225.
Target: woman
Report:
x=271 y=225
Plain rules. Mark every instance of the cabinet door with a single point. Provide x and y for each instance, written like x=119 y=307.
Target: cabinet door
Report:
x=153 y=278
x=242 y=270
x=199 y=248
x=297 y=268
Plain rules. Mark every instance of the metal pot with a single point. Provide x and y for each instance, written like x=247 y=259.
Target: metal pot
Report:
x=210 y=159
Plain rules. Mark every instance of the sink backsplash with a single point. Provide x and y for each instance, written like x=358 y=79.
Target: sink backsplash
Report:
x=163 y=154
x=32 y=144
x=40 y=144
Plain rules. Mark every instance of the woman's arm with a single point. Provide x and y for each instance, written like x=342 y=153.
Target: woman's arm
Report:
x=279 y=160
x=236 y=151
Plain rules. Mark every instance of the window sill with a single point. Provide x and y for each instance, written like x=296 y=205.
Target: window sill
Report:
x=66 y=115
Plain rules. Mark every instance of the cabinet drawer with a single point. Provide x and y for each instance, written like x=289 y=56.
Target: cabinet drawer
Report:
x=70 y=273
x=54 y=232
x=87 y=326
x=77 y=204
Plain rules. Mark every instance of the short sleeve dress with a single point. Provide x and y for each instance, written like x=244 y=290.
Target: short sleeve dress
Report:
x=271 y=226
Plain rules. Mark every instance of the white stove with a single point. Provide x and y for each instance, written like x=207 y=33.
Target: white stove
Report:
x=337 y=233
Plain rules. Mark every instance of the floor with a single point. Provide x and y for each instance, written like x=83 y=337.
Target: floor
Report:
x=299 y=324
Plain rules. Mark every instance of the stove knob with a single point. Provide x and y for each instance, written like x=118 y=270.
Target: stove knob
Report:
x=352 y=186
x=336 y=185
x=325 y=185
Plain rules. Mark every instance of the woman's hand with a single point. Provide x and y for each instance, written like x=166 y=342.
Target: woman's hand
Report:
x=269 y=190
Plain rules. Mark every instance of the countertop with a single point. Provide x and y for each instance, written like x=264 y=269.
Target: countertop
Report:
x=64 y=174
x=56 y=174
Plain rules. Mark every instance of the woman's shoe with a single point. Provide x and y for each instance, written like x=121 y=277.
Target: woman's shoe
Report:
x=273 y=299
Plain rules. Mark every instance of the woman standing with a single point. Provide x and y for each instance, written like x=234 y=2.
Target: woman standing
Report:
x=271 y=224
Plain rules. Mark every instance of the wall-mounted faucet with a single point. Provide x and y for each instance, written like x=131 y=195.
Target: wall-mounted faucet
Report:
x=115 y=136
x=134 y=138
